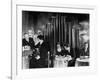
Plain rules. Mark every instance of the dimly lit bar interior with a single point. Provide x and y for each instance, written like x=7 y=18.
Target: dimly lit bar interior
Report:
x=67 y=31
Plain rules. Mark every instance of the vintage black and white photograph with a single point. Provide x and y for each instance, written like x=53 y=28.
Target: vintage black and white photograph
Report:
x=55 y=39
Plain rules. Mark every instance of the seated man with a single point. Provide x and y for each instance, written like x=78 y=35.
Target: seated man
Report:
x=67 y=52
x=66 y=49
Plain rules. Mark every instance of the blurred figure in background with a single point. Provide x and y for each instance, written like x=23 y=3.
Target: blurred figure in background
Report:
x=84 y=39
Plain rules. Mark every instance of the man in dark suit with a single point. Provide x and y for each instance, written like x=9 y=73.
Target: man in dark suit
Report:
x=44 y=49
x=32 y=60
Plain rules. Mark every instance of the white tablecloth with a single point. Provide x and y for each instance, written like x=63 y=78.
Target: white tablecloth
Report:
x=60 y=61
x=82 y=62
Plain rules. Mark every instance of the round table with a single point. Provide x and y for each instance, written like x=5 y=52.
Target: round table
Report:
x=82 y=62
x=60 y=61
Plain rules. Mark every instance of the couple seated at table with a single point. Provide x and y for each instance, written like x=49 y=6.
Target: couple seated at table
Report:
x=63 y=49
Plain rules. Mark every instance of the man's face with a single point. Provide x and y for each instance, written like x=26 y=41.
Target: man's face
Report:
x=30 y=33
x=39 y=32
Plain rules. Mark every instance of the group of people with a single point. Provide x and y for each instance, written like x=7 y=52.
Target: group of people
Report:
x=35 y=50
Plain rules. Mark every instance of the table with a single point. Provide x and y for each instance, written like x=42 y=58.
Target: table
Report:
x=61 y=61
x=82 y=62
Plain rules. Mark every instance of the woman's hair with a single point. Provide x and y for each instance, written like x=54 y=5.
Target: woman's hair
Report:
x=40 y=37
